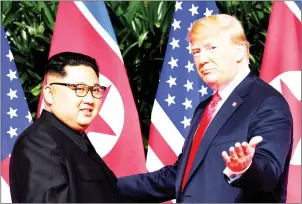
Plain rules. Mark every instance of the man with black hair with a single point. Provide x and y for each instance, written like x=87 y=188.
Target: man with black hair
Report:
x=53 y=159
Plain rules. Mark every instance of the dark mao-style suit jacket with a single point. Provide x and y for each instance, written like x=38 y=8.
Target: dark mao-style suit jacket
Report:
x=253 y=108
x=52 y=163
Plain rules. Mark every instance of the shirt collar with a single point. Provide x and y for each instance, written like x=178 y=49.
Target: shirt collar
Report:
x=226 y=92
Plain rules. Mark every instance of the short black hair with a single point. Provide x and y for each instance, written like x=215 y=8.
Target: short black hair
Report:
x=56 y=64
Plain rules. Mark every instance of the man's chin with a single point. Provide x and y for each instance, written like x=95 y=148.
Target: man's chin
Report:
x=85 y=123
x=210 y=81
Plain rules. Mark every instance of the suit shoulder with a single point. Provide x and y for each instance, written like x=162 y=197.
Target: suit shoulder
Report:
x=262 y=90
x=263 y=93
x=36 y=135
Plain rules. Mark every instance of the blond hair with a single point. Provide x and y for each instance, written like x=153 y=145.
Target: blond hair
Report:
x=219 y=24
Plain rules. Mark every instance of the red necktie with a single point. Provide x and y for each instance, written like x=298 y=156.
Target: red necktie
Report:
x=205 y=120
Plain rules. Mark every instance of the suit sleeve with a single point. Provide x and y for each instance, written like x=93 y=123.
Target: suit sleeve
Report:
x=37 y=171
x=157 y=186
x=272 y=121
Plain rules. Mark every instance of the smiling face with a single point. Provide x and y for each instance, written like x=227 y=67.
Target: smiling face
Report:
x=76 y=112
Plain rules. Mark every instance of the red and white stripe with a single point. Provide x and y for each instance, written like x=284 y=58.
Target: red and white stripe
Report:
x=165 y=141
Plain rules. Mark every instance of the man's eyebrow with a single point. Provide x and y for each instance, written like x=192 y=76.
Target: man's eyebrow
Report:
x=78 y=83
x=207 y=44
x=195 y=48
x=204 y=45
x=83 y=83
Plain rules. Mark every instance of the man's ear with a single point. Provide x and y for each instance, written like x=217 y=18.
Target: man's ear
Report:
x=48 y=94
x=240 y=52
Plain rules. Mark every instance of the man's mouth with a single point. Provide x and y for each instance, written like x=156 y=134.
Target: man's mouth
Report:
x=205 y=71
x=87 y=110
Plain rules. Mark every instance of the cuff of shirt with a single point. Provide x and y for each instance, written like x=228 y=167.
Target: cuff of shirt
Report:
x=232 y=176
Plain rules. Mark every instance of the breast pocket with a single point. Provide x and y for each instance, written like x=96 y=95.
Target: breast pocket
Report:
x=90 y=173
x=224 y=140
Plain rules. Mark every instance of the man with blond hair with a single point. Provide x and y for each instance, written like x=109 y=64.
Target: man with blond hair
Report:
x=239 y=146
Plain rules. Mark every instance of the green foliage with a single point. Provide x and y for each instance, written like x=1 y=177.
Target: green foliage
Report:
x=29 y=27
x=142 y=30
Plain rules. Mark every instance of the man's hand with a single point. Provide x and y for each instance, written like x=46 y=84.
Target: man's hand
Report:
x=241 y=156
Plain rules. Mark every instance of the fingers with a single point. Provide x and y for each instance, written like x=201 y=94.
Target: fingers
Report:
x=233 y=155
x=245 y=148
x=226 y=158
x=255 y=141
x=239 y=150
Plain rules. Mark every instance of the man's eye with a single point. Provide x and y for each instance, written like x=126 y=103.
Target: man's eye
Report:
x=80 y=88
x=96 y=90
x=211 y=48
x=195 y=53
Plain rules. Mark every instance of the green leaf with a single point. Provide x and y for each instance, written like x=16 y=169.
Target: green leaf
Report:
x=24 y=36
x=131 y=11
x=6 y=6
x=252 y=58
x=128 y=49
x=22 y=60
x=48 y=13
x=263 y=33
x=141 y=38
x=10 y=16
x=34 y=75
x=36 y=90
x=23 y=78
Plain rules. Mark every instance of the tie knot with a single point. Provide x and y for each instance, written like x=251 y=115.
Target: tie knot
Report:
x=215 y=99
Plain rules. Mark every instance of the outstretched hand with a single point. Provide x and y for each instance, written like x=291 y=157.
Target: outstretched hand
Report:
x=241 y=156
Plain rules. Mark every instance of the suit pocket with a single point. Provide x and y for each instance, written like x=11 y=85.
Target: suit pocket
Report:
x=220 y=140
x=89 y=173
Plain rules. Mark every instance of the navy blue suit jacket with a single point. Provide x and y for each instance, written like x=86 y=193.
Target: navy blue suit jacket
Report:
x=259 y=110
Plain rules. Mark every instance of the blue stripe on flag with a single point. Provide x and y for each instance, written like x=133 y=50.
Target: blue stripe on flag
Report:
x=100 y=13
x=298 y=3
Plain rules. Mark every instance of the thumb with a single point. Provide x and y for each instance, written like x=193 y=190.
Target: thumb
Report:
x=255 y=141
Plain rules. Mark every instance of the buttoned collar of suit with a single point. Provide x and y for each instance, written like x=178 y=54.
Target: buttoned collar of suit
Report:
x=75 y=136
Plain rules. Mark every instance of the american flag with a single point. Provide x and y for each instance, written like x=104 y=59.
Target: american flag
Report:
x=15 y=115
x=180 y=89
x=281 y=67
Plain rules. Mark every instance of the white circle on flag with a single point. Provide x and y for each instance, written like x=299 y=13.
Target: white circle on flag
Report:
x=112 y=112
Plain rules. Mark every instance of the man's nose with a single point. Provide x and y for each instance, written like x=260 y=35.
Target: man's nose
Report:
x=203 y=58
